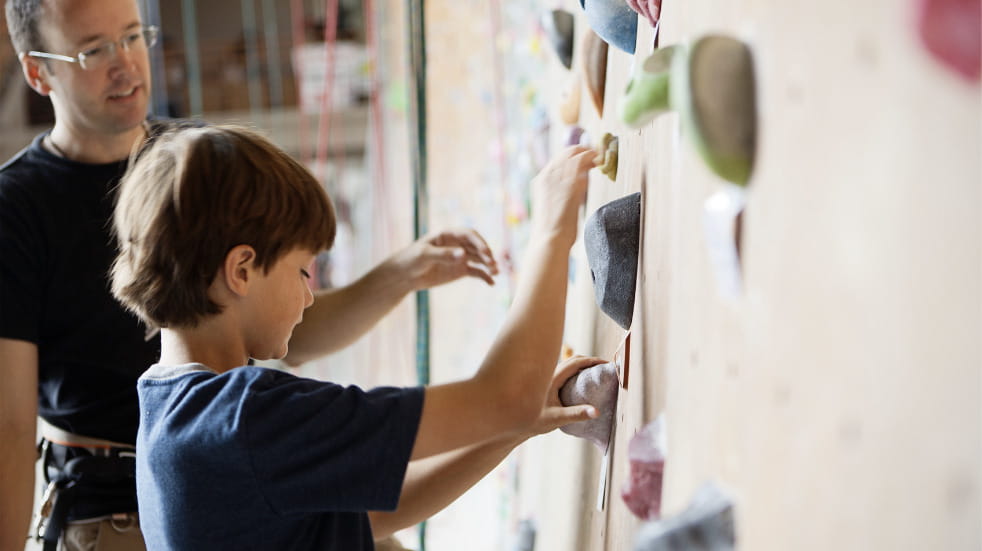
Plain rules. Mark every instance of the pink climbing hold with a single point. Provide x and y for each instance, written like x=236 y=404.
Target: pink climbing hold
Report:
x=646 y=452
x=952 y=31
x=649 y=9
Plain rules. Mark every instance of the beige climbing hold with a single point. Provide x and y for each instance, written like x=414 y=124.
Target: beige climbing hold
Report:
x=595 y=68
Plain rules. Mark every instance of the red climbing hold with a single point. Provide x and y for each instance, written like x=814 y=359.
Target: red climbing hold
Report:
x=952 y=31
x=646 y=451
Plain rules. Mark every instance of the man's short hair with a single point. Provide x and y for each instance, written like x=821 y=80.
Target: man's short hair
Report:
x=188 y=198
x=24 y=24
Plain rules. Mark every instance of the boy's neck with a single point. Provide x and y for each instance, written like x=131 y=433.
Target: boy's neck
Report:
x=205 y=344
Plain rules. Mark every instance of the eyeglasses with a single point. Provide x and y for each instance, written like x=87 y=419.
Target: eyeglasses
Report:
x=98 y=56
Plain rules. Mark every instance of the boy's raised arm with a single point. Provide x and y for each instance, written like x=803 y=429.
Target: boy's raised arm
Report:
x=507 y=392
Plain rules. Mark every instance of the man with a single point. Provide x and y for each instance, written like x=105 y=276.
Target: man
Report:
x=69 y=353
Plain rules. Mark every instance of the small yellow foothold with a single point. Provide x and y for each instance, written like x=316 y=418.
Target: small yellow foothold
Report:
x=607 y=155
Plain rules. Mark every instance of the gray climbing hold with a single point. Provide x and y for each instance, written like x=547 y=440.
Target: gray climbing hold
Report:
x=596 y=385
x=612 y=235
x=705 y=525
x=559 y=26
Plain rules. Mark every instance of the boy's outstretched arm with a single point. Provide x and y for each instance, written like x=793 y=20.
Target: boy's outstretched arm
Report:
x=507 y=392
x=340 y=316
x=433 y=483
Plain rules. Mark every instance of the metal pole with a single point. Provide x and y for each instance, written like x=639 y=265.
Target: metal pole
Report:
x=249 y=37
x=274 y=71
x=417 y=114
x=158 y=84
x=192 y=56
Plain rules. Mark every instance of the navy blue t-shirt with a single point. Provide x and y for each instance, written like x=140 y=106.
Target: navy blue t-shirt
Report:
x=55 y=252
x=256 y=458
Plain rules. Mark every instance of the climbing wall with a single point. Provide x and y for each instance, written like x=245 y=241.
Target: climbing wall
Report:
x=829 y=383
x=836 y=396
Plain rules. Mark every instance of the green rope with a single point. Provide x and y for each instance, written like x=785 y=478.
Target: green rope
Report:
x=417 y=61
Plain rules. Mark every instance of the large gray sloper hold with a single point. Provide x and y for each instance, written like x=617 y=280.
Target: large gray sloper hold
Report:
x=612 y=236
x=596 y=385
x=705 y=525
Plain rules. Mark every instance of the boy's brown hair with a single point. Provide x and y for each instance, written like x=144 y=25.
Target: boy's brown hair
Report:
x=188 y=198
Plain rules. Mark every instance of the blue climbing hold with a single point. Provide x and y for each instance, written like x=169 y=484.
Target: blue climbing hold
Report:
x=614 y=21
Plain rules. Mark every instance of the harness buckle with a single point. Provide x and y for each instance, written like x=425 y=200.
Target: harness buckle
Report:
x=43 y=514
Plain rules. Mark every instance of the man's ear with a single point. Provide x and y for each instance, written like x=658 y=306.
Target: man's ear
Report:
x=35 y=73
x=239 y=268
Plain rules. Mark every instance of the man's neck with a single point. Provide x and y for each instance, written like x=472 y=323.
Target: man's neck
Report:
x=93 y=149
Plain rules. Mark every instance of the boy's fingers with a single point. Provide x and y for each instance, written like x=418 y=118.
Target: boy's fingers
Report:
x=564 y=415
x=474 y=271
x=573 y=365
x=472 y=242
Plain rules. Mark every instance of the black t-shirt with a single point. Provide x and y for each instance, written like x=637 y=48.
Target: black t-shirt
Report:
x=56 y=248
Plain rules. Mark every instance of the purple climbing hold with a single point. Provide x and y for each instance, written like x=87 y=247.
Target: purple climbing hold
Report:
x=575 y=132
x=597 y=386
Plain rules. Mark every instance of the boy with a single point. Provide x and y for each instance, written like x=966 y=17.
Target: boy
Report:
x=216 y=227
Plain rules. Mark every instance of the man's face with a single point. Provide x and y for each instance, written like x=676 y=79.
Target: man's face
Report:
x=109 y=100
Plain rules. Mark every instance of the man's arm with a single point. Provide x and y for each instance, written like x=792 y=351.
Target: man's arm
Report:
x=340 y=316
x=18 y=427
x=433 y=483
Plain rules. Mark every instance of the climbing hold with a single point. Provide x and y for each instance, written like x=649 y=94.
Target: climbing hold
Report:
x=952 y=31
x=646 y=452
x=705 y=525
x=595 y=68
x=722 y=221
x=647 y=95
x=607 y=155
x=611 y=236
x=614 y=21
x=569 y=105
x=649 y=9
x=711 y=86
x=720 y=108
x=559 y=27
x=596 y=385
x=574 y=134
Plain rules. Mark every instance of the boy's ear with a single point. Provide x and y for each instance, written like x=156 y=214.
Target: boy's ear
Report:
x=34 y=73
x=240 y=263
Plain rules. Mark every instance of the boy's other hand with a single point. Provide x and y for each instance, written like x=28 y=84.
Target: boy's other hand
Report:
x=442 y=257
x=558 y=191
x=554 y=413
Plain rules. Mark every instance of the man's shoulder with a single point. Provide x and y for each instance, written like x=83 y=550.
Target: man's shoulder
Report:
x=30 y=168
x=23 y=161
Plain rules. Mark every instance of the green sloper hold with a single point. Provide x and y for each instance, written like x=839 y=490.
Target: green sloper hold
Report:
x=720 y=106
x=711 y=86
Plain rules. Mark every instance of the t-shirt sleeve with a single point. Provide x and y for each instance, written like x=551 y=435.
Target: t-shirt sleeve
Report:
x=318 y=446
x=21 y=277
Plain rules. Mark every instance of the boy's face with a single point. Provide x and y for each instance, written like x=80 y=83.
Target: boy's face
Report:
x=278 y=301
x=107 y=100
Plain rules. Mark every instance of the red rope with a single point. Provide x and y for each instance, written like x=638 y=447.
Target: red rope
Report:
x=297 y=22
x=497 y=75
x=330 y=52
